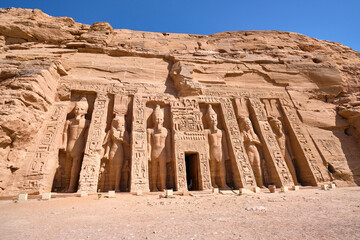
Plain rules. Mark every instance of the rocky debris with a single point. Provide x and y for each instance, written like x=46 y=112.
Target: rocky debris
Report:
x=256 y=208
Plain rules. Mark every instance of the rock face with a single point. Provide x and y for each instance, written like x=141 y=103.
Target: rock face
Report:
x=84 y=108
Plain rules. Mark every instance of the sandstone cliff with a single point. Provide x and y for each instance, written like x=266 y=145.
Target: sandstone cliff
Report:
x=39 y=52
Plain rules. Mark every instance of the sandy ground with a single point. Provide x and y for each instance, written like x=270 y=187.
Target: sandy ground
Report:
x=304 y=214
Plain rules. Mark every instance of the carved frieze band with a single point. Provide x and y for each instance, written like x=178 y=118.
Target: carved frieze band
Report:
x=244 y=93
x=97 y=87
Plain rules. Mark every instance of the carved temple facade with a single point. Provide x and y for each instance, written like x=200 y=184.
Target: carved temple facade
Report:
x=92 y=108
x=188 y=161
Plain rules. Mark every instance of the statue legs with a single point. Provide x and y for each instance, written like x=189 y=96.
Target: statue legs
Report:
x=254 y=158
x=154 y=170
x=116 y=163
x=75 y=171
x=116 y=159
x=213 y=173
x=162 y=174
x=222 y=175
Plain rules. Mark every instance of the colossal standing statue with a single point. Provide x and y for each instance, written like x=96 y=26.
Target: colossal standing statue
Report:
x=217 y=149
x=116 y=139
x=277 y=127
x=74 y=140
x=159 y=151
x=250 y=142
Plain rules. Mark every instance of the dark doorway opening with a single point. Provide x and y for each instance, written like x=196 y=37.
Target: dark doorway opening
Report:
x=192 y=171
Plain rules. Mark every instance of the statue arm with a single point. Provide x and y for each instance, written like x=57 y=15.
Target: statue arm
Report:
x=225 y=146
x=107 y=143
x=126 y=138
x=149 y=133
x=65 y=135
x=168 y=148
x=256 y=139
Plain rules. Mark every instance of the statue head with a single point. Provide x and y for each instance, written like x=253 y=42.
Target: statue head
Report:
x=246 y=123
x=211 y=116
x=81 y=107
x=276 y=125
x=119 y=122
x=158 y=115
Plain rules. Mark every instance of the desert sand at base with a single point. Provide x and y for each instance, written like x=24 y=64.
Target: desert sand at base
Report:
x=304 y=214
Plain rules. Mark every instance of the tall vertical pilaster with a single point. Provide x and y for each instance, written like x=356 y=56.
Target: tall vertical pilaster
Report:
x=139 y=155
x=89 y=174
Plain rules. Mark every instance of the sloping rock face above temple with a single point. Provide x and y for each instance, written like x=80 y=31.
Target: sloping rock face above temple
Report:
x=91 y=108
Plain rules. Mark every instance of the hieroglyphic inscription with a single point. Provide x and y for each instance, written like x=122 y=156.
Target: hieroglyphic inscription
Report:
x=181 y=172
x=205 y=173
x=91 y=163
x=281 y=176
x=244 y=93
x=98 y=87
x=139 y=168
x=309 y=153
x=189 y=136
x=46 y=152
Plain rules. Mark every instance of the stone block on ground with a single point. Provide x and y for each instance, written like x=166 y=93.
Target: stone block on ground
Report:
x=23 y=196
x=256 y=189
x=169 y=192
x=83 y=194
x=244 y=191
x=46 y=196
x=325 y=187
x=111 y=194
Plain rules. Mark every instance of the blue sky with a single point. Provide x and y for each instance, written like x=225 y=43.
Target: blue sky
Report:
x=334 y=20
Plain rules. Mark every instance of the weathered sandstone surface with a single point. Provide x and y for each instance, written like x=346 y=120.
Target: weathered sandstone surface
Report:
x=301 y=95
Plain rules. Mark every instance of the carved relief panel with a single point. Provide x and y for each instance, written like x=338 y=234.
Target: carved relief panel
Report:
x=242 y=174
x=191 y=155
x=311 y=168
x=115 y=165
x=43 y=161
x=278 y=169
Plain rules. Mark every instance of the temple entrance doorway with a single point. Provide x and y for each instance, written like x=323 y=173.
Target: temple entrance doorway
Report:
x=192 y=171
